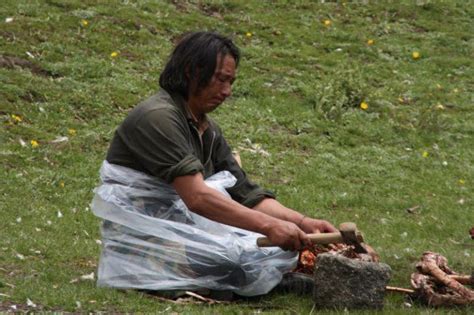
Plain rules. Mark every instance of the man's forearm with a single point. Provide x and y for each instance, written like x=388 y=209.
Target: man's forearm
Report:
x=213 y=205
x=275 y=209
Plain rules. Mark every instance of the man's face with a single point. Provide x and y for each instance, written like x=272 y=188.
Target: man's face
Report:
x=219 y=88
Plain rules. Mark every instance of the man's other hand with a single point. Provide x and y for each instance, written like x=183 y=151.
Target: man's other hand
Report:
x=287 y=235
x=310 y=225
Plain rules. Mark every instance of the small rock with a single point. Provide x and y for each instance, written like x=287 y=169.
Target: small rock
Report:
x=342 y=283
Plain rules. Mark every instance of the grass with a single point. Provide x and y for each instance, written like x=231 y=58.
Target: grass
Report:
x=299 y=88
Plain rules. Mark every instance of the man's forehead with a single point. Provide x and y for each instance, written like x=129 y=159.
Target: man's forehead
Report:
x=225 y=64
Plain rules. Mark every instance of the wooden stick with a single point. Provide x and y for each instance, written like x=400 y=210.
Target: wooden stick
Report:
x=399 y=290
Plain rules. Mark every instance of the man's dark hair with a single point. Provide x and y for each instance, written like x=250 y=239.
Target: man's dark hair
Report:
x=195 y=57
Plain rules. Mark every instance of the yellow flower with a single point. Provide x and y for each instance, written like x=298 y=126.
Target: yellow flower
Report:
x=71 y=131
x=425 y=154
x=114 y=54
x=439 y=107
x=370 y=42
x=34 y=143
x=248 y=34
x=16 y=118
x=415 y=55
x=327 y=22
x=61 y=184
x=364 y=105
x=462 y=182
x=84 y=23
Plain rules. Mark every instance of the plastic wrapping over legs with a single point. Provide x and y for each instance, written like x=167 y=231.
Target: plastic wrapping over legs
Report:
x=152 y=241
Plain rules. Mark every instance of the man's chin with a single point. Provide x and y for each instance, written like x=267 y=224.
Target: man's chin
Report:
x=213 y=106
x=211 y=109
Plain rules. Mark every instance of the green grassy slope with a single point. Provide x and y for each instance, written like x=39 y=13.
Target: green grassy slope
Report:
x=75 y=68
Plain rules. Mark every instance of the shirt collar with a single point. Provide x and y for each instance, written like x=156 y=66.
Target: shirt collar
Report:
x=181 y=103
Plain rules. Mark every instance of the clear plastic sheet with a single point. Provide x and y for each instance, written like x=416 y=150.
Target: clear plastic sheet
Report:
x=152 y=241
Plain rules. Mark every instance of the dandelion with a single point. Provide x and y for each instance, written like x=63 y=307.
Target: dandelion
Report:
x=34 y=143
x=61 y=184
x=425 y=154
x=364 y=106
x=415 y=55
x=370 y=42
x=327 y=23
x=248 y=34
x=84 y=23
x=71 y=131
x=114 y=54
x=461 y=182
x=17 y=118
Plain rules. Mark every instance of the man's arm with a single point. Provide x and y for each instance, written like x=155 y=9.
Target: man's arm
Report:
x=275 y=209
x=211 y=204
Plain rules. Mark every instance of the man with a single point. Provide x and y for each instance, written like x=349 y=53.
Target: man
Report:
x=170 y=137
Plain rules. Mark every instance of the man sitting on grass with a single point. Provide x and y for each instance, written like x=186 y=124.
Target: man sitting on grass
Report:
x=170 y=138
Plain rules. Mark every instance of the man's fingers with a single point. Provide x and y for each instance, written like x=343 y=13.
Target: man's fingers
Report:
x=329 y=228
x=305 y=240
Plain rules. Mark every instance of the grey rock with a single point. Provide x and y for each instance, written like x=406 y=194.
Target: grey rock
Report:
x=341 y=283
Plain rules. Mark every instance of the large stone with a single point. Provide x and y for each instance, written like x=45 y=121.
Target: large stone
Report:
x=341 y=282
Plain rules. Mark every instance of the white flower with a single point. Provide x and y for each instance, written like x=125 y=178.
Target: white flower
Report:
x=30 y=303
x=60 y=139
x=88 y=277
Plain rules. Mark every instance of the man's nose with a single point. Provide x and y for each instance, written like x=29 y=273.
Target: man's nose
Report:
x=227 y=90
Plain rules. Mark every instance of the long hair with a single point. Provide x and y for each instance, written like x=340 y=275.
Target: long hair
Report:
x=195 y=58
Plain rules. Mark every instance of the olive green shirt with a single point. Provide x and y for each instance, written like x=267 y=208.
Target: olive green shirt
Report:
x=159 y=137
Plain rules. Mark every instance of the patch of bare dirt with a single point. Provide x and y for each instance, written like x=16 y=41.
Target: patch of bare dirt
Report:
x=10 y=62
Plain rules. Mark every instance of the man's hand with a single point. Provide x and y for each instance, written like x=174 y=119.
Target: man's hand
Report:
x=287 y=235
x=310 y=225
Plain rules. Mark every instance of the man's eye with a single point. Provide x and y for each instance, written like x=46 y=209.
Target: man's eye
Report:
x=225 y=79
